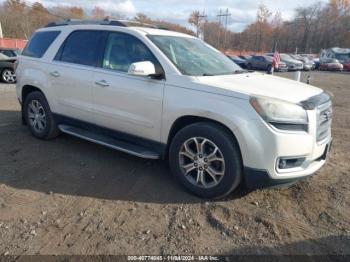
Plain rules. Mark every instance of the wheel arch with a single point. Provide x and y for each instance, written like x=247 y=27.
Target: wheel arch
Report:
x=187 y=120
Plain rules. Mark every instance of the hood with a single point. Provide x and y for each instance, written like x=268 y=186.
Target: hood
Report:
x=258 y=84
x=294 y=61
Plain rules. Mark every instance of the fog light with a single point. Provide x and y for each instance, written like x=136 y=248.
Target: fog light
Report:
x=282 y=164
x=285 y=163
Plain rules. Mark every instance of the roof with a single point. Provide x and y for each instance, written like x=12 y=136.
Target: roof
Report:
x=107 y=24
x=340 y=50
x=153 y=31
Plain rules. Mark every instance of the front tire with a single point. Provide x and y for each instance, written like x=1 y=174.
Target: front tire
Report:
x=8 y=76
x=38 y=116
x=206 y=160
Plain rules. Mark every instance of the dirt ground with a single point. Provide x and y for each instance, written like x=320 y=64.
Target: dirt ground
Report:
x=69 y=196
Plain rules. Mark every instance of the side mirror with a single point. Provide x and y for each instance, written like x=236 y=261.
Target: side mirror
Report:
x=145 y=68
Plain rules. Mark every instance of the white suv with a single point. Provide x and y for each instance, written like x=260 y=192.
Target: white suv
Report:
x=159 y=94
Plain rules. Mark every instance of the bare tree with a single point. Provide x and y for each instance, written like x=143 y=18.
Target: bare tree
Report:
x=98 y=13
x=196 y=20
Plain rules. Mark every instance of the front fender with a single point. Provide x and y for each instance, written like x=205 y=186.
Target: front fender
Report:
x=234 y=113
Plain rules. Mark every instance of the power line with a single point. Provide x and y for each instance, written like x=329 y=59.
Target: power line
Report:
x=224 y=15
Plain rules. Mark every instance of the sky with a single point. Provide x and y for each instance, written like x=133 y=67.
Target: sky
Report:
x=243 y=12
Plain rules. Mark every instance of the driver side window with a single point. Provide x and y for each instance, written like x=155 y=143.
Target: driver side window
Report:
x=122 y=50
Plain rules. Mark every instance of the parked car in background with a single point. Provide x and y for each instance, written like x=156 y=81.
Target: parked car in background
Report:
x=331 y=64
x=292 y=64
x=260 y=62
x=245 y=57
x=10 y=52
x=317 y=63
x=308 y=65
x=346 y=66
x=239 y=61
x=340 y=54
x=7 y=69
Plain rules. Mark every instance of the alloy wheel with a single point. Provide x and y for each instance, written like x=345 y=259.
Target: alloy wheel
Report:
x=202 y=162
x=36 y=116
x=9 y=76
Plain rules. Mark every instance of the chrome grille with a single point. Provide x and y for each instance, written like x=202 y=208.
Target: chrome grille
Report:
x=324 y=121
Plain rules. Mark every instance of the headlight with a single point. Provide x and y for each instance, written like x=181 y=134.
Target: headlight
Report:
x=281 y=114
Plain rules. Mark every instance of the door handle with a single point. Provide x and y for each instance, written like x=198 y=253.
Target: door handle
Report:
x=55 y=74
x=102 y=83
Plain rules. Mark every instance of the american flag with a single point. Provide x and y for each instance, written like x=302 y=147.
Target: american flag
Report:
x=276 y=58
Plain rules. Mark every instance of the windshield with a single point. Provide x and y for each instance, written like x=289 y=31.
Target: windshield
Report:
x=193 y=57
x=342 y=57
x=285 y=57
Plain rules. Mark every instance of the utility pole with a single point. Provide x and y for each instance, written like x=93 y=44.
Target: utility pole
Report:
x=219 y=16
x=225 y=16
x=200 y=18
x=1 y=35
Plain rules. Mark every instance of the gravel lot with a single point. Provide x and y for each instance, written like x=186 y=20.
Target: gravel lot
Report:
x=69 y=196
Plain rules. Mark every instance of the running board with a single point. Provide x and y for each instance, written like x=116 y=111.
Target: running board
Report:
x=109 y=142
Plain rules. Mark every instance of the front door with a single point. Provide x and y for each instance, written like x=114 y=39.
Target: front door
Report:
x=126 y=103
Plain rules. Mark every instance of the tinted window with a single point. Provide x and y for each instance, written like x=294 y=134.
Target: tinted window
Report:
x=122 y=50
x=8 y=53
x=39 y=43
x=82 y=47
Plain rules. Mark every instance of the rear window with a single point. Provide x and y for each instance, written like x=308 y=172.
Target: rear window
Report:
x=82 y=47
x=39 y=43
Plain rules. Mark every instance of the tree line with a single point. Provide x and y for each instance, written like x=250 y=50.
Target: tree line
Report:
x=20 y=19
x=313 y=27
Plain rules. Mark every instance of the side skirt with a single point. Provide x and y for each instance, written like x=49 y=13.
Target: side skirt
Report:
x=111 y=138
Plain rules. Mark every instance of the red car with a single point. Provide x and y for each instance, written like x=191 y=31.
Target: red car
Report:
x=331 y=65
x=346 y=66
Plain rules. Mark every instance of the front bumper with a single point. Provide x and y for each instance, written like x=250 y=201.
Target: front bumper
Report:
x=295 y=67
x=308 y=67
x=258 y=178
x=263 y=146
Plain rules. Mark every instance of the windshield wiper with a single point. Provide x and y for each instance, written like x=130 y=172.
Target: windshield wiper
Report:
x=229 y=73
x=241 y=71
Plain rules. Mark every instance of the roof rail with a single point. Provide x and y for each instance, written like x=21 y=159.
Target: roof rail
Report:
x=106 y=21
x=86 y=22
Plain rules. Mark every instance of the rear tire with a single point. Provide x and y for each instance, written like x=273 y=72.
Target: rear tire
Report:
x=206 y=160
x=38 y=116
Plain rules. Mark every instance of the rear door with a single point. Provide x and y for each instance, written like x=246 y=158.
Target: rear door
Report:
x=260 y=62
x=255 y=62
x=71 y=73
